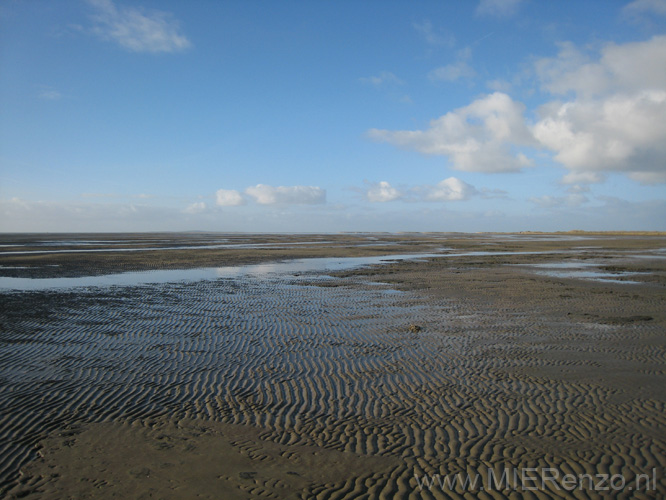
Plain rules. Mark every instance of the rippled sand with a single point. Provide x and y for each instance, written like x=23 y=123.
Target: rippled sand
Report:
x=303 y=386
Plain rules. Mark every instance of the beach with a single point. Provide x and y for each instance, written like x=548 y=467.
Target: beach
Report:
x=361 y=365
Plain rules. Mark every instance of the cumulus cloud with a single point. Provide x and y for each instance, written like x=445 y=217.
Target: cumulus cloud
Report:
x=610 y=116
x=625 y=133
x=270 y=195
x=287 y=195
x=477 y=138
x=451 y=189
x=498 y=8
x=382 y=192
x=578 y=188
x=195 y=208
x=615 y=120
x=137 y=30
x=631 y=67
x=228 y=198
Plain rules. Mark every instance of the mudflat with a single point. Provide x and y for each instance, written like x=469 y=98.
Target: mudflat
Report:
x=421 y=365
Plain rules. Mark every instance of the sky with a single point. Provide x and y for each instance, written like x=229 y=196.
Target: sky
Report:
x=327 y=116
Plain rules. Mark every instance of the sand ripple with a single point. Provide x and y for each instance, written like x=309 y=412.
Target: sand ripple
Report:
x=331 y=367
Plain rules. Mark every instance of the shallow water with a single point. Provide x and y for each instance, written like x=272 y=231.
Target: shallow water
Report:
x=286 y=268
x=592 y=275
x=334 y=366
x=564 y=265
x=541 y=237
x=582 y=270
x=227 y=349
x=490 y=253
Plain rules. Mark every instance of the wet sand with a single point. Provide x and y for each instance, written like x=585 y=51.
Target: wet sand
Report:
x=507 y=352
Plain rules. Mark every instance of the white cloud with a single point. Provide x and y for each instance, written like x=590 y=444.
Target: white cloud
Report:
x=451 y=189
x=604 y=213
x=476 y=138
x=559 y=74
x=621 y=133
x=138 y=30
x=382 y=192
x=228 y=198
x=578 y=188
x=195 y=208
x=612 y=119
x=498 y=8
x=384 y=78
x=287 y=195
x=616 y=119
x=631 y=67
x=644 y=10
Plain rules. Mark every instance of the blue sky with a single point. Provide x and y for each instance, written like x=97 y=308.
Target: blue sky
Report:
x=502 y=115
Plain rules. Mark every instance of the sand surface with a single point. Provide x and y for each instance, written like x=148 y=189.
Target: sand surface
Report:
x=508 y=352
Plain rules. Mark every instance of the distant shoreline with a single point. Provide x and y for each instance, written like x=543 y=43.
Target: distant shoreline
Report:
x=4 y=234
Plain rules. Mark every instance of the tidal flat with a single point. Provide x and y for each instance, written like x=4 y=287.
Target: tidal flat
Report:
x=202 y=365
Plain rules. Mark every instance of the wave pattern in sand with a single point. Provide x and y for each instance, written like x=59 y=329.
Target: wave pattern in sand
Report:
x=335 y=367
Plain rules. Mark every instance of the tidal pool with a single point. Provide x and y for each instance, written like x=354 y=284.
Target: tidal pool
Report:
x=582 y=270
x=319 y=266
